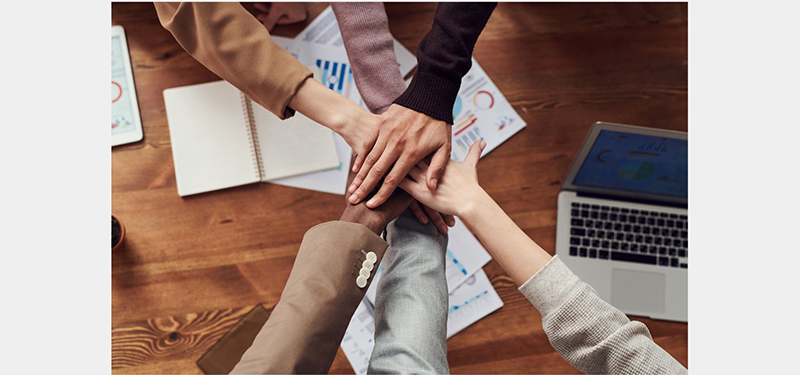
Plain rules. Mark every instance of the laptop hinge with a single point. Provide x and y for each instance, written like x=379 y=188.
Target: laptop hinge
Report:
x=631 y=199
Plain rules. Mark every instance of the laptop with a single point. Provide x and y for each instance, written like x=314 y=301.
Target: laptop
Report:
x=623 y=219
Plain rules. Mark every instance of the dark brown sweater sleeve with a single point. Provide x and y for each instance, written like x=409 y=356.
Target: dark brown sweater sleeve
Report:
x=444 y=56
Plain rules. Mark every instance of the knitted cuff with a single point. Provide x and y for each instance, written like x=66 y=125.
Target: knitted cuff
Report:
x=431 y=95
x=551 y=286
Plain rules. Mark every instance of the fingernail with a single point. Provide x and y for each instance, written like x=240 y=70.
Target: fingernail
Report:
x=353 y=199
x=434 y=182
x=354 y=168
x=424 y=220
x=443 y=229
x=352 y=188
x=371 y=202
x=451 y=222
x=483 y=144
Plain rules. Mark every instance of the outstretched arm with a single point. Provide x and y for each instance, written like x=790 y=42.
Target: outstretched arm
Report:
x=306 y=327
x=230 y=42
x=588 y=332
x=370 y=48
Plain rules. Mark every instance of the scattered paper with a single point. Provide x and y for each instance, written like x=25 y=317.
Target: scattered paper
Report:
x=358 y=340
x=473 y=300
x=324 y=30
x=481 y=112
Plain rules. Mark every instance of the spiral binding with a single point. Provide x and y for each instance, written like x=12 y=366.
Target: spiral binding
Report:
x=252 y=134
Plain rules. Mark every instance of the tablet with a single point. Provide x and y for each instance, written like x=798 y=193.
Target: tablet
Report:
x=126 y=125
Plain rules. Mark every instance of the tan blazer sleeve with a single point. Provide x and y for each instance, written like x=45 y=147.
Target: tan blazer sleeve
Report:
x=230 y=42
x=307 y=325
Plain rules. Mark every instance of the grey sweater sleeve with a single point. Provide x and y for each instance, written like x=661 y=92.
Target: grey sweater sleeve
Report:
x=588 y=332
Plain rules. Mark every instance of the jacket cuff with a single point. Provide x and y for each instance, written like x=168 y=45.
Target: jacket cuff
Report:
x=431 y=95
x=358 y=235
x=551 y=286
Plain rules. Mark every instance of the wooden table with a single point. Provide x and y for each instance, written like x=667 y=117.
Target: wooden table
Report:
x=191 y=267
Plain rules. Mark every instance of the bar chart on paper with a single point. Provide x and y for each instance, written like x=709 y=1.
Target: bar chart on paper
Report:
x=336 y=76
x=470 y=302
x=481 y=113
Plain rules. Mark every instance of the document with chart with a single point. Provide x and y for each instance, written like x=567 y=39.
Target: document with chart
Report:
x=481 y=112
x=324 y=30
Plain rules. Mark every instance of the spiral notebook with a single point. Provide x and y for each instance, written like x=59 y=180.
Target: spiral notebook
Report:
x=222 y=139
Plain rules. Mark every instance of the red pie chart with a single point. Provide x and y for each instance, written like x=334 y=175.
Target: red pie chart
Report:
x=115 y=87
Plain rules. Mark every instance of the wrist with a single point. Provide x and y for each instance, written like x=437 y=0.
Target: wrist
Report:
x=356 y=125
x=322 y=105
x=352 y=216
x=474 y=204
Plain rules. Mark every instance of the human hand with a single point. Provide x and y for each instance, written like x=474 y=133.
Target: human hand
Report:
x=281 y=13
x=376 y=219
x=458 y=190
x=440 y=220
x=358 y=127
x=405 y=137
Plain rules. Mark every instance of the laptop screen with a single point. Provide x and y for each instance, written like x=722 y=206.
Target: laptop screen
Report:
x=640 y=163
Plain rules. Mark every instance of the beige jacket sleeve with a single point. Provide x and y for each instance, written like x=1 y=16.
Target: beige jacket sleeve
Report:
x=230 y=42
x=307 y=325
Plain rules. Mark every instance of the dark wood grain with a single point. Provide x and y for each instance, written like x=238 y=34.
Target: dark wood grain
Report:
x=193 y=266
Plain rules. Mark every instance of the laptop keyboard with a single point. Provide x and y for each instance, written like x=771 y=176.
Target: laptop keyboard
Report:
x=625 y=235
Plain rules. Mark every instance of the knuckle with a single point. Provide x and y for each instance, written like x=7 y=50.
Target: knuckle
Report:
x=391 y=180
x=376 y=171
x=366 y=143
x=371 y=159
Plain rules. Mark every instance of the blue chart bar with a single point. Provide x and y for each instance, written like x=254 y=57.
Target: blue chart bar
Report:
x=456 y=262
x=469 y=137
x=333 y=75
x=341 y=80
x=454 y=308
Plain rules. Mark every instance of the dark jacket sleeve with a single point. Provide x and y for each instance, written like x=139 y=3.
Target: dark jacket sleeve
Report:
x=303 y=333
x=444 y=56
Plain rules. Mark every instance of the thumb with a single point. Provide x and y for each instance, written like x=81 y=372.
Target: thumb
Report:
x=475 y=153
x=436 y=169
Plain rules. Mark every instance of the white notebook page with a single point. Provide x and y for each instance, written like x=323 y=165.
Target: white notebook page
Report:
x=293 y=146
x=211 y=146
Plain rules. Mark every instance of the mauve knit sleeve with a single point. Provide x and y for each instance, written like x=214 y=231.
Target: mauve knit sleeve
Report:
x=370 y=49
x=445 y=56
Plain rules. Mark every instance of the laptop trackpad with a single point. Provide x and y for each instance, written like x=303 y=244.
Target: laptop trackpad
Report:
x=638 y=291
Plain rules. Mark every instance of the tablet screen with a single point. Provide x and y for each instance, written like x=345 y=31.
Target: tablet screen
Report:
x=122 y=118
x=636 y=162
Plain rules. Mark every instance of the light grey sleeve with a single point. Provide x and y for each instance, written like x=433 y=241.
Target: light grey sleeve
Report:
x=411 y=301
x=588 y=332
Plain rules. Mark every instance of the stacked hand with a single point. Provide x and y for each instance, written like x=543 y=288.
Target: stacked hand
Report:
x=376 y=219
x=401 y=137
x=404 y=137
x=458 y=191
